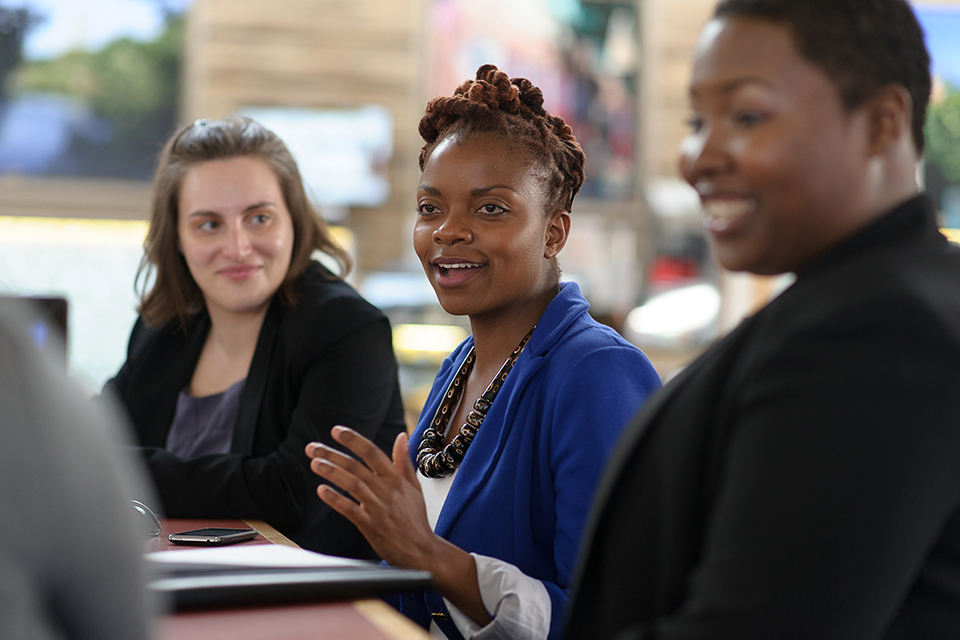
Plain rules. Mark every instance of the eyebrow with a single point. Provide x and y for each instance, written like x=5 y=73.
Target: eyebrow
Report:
x=259 y=205
x=252 y=207
x=479 y=191
x=729 y=86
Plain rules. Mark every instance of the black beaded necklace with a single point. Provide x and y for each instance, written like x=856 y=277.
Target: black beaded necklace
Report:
x=433 y=458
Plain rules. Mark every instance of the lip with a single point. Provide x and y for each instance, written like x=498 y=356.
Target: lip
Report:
x=726 y=213
x=449 y=272
x=240 y=272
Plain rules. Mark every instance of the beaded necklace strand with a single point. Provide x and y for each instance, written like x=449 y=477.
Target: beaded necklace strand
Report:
x=433 y=458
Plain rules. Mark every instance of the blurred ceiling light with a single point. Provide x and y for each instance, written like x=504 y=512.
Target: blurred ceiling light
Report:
x=673 y=199
x=620 y=55
x=72 y=231
x=675 y=317
x=426 y=342
x=385 y=289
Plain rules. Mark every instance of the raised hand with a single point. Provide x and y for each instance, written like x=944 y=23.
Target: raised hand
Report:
x=387 y=507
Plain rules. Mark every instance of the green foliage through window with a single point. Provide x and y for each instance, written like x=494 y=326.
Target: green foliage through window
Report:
x=943 y=136
x=132 y=85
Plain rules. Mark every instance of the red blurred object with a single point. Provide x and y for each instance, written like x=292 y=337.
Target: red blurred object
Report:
x=667 y=269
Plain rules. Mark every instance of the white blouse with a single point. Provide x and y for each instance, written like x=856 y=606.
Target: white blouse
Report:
x=519 y=606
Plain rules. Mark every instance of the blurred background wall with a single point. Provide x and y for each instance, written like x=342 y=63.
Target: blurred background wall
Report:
x=89 y=91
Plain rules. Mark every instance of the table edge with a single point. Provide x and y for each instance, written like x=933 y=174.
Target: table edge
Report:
x=389 y=620
x=271 y=534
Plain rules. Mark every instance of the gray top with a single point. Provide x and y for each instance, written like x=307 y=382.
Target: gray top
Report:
x=204 y=425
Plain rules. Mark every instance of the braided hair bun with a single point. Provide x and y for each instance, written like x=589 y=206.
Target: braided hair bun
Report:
x=494 y=103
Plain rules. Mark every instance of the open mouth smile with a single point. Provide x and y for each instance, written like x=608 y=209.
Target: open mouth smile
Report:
x=453 y=274
x=725 y=214
x=446 y=269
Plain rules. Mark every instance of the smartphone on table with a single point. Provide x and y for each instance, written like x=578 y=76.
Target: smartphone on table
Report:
x=212 y=536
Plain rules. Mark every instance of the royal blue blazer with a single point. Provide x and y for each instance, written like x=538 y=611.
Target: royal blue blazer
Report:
x=524 y=489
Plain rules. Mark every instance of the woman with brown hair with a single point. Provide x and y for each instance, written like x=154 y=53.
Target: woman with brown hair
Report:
x=494 y=508
x=246 y=349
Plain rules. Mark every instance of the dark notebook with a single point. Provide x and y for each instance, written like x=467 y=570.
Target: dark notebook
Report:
x=197 y=586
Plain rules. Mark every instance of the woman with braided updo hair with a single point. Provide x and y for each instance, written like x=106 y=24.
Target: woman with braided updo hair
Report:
x=491 y=498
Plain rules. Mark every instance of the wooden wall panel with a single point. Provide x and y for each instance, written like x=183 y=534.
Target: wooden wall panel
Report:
x=670 y=29
x=319 y=54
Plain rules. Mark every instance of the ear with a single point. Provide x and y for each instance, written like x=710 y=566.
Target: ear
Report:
x=890 y=115
x=558 y=228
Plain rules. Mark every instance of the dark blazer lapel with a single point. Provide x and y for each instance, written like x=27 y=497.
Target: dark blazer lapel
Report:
x=649 y=414
x=164 y=361
x=640 y=428
x=253 y=388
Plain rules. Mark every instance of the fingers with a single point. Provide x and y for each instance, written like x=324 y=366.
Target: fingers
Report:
x=342 y=470
x=369 y=453
x=383 y=499
x=364 y=449
x=365 y=483
x=319 y=451
x=401 y=458
x=344 y=506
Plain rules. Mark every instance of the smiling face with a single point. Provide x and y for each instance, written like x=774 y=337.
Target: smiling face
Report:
x=781 y=165
x=482 y=233
x=235 y=233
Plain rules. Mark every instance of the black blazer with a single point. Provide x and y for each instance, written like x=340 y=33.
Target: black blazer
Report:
x=801 y=479
x=327 y=361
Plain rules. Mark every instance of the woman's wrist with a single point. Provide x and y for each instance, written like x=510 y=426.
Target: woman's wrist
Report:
x=454 y=574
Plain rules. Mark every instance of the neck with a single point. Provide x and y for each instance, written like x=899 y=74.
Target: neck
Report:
x=235 y=335
x=892 y=179
x=496 y=336
x=889 y=180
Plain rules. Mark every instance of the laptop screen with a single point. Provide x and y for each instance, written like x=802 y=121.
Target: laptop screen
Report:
x=45 y=319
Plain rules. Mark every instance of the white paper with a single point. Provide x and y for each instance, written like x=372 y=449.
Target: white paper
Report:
x=255 y=555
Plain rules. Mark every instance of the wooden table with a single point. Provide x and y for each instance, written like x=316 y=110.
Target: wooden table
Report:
x=348 y=620
x=267 y=534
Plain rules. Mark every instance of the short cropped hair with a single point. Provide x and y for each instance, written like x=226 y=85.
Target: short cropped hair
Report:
x=494 y=103
x=175 y=294
x=862 y=45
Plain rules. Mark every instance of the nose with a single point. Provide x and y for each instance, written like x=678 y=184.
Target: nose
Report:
x=453 y=229
x=238 y=242
x=704 y=153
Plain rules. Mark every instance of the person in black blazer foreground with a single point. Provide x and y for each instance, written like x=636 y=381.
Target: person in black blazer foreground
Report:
x=801 y=479
x=246 y=349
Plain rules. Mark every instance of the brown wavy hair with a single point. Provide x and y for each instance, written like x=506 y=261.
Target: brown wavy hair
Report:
x=494 y=103
x=175 y=294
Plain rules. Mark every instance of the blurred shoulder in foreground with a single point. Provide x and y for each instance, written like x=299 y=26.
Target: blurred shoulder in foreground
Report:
x=70 y=551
